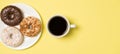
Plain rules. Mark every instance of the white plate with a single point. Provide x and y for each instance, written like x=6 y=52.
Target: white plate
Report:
x=27 y=11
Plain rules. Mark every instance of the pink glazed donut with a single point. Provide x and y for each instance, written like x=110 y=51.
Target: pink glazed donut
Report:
x=11 y=36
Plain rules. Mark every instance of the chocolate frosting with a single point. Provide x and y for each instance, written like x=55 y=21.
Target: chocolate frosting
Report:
x=11 y=15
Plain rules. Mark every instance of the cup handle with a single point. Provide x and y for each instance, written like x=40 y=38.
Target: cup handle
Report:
x=72 y=26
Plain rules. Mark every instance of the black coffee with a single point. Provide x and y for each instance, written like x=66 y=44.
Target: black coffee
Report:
x=57 y=25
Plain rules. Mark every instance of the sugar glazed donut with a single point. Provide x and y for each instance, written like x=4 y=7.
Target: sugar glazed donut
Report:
x=30 y=26
x=11 y=36
x=11 y=15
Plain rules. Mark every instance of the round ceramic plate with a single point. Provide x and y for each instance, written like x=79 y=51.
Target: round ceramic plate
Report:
x=27 y=11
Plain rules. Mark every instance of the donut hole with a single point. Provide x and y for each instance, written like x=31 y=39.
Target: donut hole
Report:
x=30 y=26
x=11 y=15
x=11 y=36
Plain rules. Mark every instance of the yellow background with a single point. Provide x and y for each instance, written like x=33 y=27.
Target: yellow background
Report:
x=97 y=31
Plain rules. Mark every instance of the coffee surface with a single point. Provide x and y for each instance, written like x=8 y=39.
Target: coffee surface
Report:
x=57 y=25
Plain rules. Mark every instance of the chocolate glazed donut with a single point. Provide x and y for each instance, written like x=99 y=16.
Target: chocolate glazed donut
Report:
x=11 y=15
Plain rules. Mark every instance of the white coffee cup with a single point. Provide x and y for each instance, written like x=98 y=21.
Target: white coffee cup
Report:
x=69 y=26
